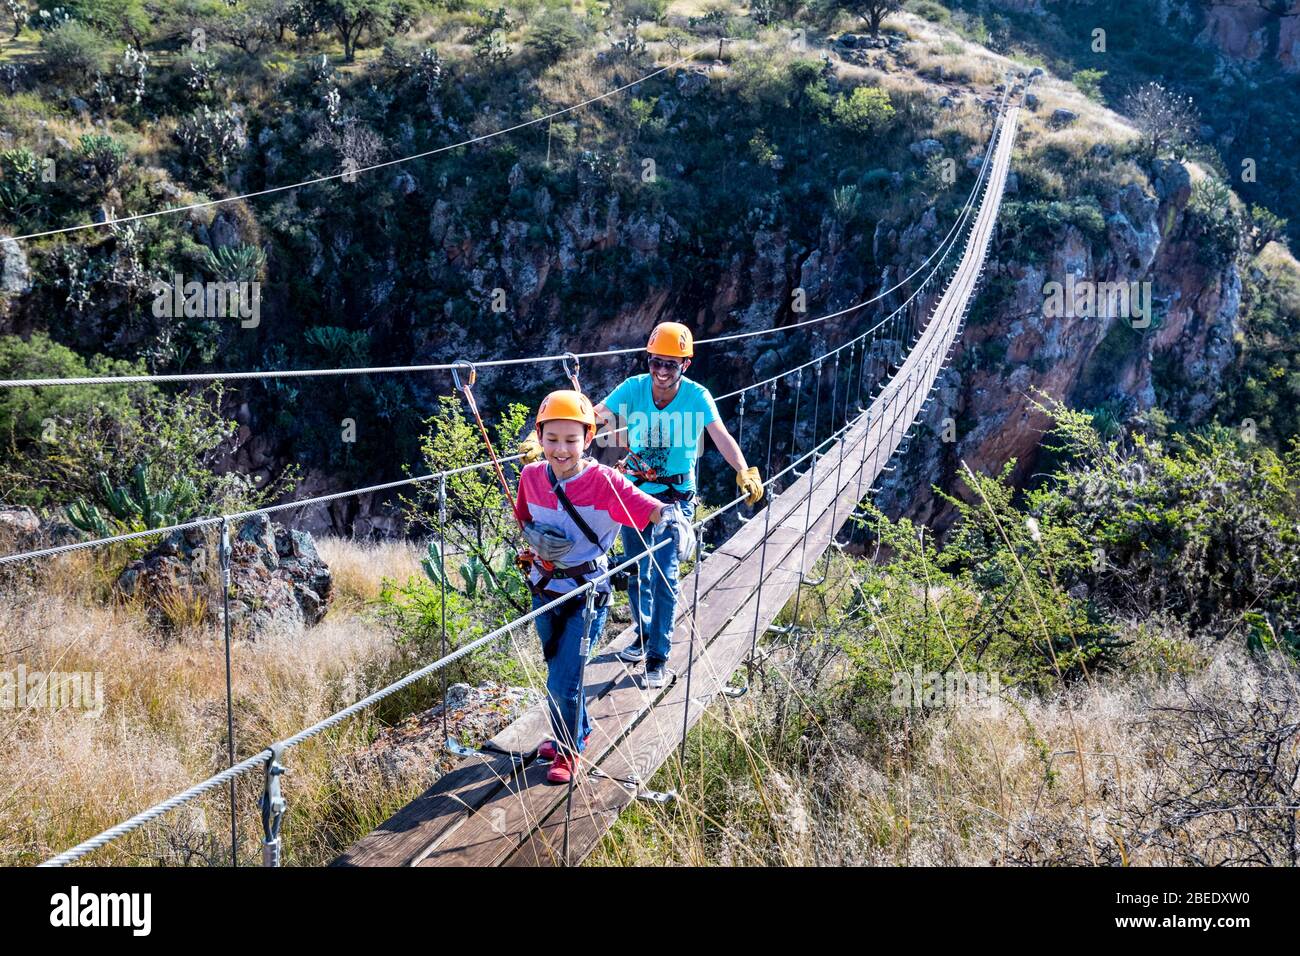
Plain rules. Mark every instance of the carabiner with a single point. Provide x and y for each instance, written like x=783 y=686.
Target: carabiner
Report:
x=471 y=374
x=574 y=372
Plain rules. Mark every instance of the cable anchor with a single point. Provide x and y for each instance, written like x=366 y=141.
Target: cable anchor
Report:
x=273 y=806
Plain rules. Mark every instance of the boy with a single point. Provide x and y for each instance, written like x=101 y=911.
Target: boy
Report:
x=571 y=507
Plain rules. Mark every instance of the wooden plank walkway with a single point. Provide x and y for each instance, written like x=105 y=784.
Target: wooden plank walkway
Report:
x=485 y=812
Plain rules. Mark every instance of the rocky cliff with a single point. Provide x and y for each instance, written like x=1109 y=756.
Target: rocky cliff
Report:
x=1255 y=30
x=1016 y=353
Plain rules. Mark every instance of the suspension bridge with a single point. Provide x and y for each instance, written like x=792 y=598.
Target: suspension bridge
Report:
x=493 y=807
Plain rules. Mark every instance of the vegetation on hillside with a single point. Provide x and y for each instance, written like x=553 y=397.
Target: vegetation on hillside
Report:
x=1101 y=672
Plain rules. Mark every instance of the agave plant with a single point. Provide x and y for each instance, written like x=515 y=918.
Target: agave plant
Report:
x=134 y=504
x=243 y=262
x=480 y=577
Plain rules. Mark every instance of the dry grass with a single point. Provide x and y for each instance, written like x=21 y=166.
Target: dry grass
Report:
x=1277 y=262
x=164 y=725
x=1099 y=775
x=360 y=568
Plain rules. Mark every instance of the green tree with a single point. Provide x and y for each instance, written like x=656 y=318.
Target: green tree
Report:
x=128 y=20
x=349 y=19
x=554 y=34
x=73 y=53
x=26 y=413
x=872 y=12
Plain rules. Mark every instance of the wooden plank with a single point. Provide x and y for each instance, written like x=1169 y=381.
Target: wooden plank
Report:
x=401 y=839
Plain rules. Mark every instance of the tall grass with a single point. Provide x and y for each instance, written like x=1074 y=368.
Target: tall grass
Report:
x=68 y=777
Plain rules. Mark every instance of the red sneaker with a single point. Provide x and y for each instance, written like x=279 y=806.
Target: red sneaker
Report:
x=564 y=768
x=547 y=748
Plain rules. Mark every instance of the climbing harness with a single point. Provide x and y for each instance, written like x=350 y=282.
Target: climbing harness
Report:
x=636 y=468
x=579 y=573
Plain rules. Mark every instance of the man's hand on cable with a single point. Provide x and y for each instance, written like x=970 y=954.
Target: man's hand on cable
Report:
x=679 y=526
x=751 y=484
x=531 y=450
x=548 y=542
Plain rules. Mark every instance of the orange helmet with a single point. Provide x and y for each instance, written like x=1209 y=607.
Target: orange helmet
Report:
x=672 y=339
x=568 y=405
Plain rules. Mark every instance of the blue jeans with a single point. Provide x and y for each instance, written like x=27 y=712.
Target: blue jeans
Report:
x=652 y=591
x=561 y=632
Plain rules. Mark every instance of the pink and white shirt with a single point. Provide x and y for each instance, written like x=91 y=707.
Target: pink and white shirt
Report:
x=606 y=499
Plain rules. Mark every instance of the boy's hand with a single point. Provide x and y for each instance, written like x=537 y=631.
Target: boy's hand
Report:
x=750 y=483
x=548 y=542
x=683 y=534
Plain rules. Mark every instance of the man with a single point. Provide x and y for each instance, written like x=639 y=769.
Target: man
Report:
x=666 y=415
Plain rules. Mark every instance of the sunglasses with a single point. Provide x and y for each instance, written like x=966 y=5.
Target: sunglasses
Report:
x=664 y=365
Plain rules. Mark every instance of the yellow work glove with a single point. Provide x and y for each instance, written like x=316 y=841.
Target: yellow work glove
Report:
x=531 y=450
x=751 y=484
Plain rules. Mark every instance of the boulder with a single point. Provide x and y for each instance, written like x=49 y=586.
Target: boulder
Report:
x=692 y=83
x=925 y=148
x=19 y=521
x=1172 y=181
x=278 y=581
x=15 y=273
x=1063 y=117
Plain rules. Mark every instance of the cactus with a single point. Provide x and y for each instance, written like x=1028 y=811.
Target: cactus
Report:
x=473 y=571
x=432 y=565
x=86 y=517
x=118 y=500
x=134 y=504
x=476 y=573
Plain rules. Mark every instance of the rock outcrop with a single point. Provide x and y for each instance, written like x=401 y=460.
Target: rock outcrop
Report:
x=279 y=582
x=1255 y=30
x=1020 y=353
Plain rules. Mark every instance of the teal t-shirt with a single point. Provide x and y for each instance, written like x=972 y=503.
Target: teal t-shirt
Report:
x=667 y=439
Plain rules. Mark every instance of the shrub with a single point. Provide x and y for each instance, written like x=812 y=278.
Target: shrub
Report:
x=21 y=196
x=554 y=34
x=930 y=10
x=212 y=139
x=102 y=155
x=72 y=443
x=25 y=412
x=73 y=53
x=1089 y=83
x=1211 y=206
x=1037 y=224
x=866 y=110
